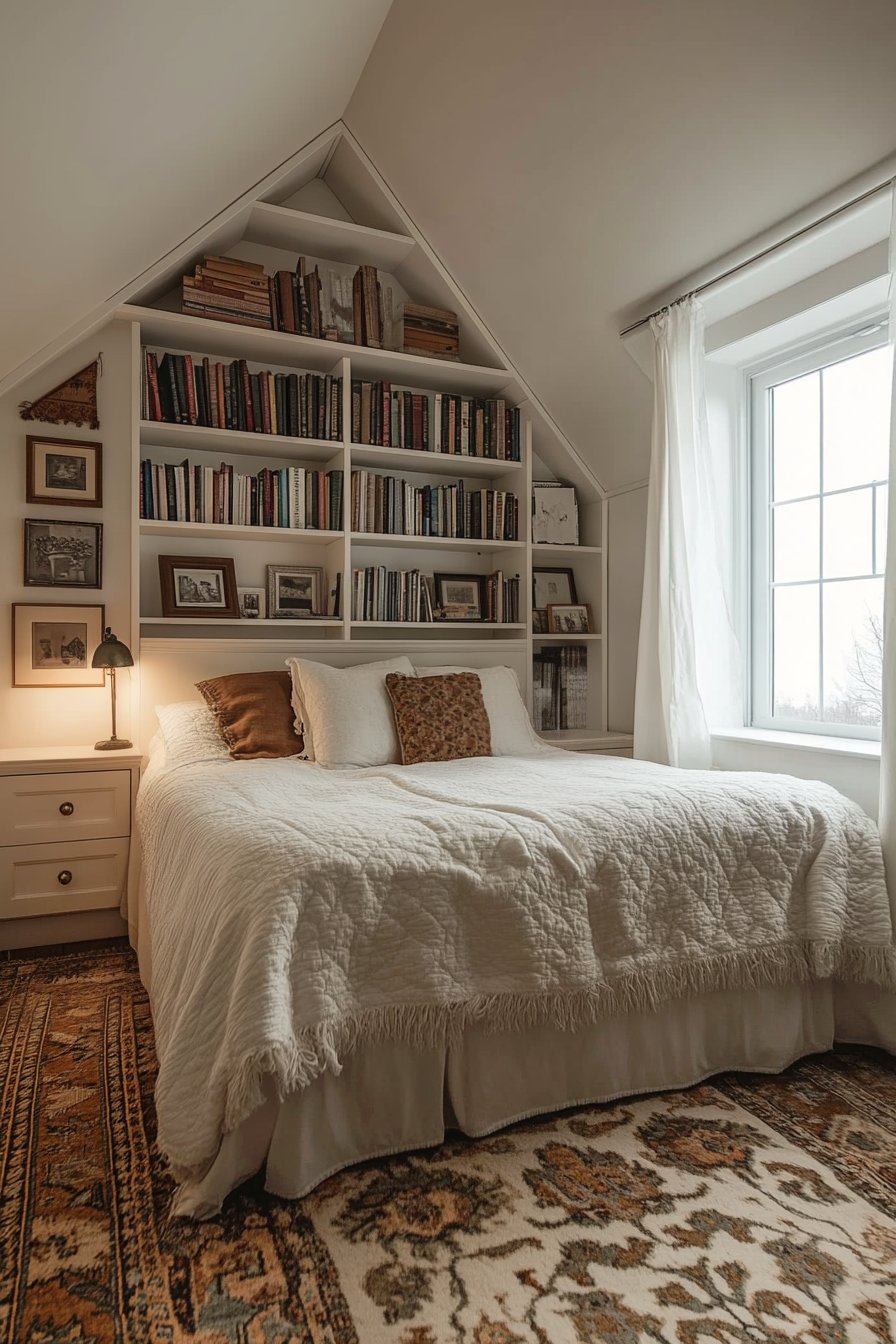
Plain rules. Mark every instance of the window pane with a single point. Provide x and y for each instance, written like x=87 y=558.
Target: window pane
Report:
x=847 y=535
x=856 y=399
x=795 y=657
x=795 y=438
x=796 y=541
x=853 y=645
x=881 y=538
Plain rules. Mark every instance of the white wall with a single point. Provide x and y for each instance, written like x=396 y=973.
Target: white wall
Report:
x=858 y=777
x=72 y=716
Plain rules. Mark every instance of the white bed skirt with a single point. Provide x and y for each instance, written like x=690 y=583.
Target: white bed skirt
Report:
x=391 y=1098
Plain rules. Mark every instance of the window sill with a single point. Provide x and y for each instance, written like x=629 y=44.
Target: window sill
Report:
x=833 y=746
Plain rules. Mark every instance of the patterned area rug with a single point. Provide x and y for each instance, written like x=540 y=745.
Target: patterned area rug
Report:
x=749 y=1209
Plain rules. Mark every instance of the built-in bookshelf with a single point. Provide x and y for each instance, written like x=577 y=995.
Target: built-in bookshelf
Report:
x=485 y=435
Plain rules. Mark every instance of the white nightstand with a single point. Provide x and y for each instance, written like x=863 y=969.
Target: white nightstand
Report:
x=65 y=834
x=584 y=739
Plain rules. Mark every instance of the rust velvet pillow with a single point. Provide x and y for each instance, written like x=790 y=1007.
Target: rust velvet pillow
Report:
x=254 y=712
x=439 y=718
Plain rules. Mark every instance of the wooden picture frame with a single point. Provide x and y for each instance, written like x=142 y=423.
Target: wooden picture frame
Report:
x=63 y=471
x=459 y=597
x=558 y=586
x=295 y=592
x=53 y=644
x=62 y=554
x=569 y=618
x=198 y=587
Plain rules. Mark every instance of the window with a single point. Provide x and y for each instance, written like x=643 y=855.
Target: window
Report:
x=820 y=429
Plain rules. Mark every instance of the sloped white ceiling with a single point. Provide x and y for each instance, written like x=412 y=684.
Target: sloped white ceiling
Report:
x=127 y=125
x=569 y=160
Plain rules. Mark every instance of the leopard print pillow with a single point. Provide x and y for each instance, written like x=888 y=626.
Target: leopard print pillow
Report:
x=439 y=718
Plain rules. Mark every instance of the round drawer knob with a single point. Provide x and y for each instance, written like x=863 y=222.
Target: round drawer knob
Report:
x=66 y=809
x=64 y=877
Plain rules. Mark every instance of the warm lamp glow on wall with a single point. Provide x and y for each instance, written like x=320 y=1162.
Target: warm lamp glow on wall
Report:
x=110 y=655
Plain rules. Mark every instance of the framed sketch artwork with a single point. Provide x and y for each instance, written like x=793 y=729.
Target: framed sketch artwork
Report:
x=52 y=645
x=295 y=591
x=198 y=586
x=60 y=554
x=63 y=471
x=459 y=597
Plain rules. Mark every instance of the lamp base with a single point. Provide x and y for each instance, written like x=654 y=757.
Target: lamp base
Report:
x=112 y=744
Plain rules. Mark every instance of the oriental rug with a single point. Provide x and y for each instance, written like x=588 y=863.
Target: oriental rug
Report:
x=746 y=1210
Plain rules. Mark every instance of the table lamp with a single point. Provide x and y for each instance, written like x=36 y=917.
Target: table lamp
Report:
x=110 y=655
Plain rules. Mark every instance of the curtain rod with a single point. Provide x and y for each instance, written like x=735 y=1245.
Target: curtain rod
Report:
x=765 y=252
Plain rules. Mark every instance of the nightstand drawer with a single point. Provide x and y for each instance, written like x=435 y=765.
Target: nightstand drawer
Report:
x=59 y=879
x=82 y=805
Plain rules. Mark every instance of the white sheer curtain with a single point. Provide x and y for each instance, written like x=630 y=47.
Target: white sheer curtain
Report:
x=689 y=666
x=888 y=726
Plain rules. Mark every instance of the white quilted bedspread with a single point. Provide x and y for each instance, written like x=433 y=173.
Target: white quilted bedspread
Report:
x=298 y=912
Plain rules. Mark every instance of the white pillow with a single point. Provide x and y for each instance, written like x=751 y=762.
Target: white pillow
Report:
x=345 y=712
x=512 y=731
x=190 y=733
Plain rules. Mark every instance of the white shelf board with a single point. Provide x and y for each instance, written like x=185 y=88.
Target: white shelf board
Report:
x=564 y=639
x=182 y=331
x=332 y=622
x=438 y=625
x=432 y=464
x=559 y=548
x=435 y=543
x=199 y=439
x=593 y=736
x=233 y=532
x=329 y=239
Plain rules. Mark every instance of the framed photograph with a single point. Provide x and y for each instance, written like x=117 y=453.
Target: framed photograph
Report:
x=551 y=586
x=200 y=586
x=539 y=621
x=569 y=618
x=252 y=603
x=555 y=513
x=295 y=591
x=63 y=471
x=53 y=645
x=59 y=554
x=460 y=597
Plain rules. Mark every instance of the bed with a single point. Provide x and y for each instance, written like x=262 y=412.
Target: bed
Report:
x=348 y=963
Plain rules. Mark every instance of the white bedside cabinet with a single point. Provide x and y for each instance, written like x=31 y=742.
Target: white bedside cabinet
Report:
x=65 y=834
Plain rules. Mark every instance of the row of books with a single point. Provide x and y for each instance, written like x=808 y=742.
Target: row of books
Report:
x=282 y=497
x=389 y=504
x=182 y=391
x=381 y=594
x=560 y=687
x=437 y=422
x=312 y=300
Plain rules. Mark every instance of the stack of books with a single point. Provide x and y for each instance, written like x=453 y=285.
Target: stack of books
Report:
x=502 y=598
x=182 y=391
x=430 y=331
x=274 y=497
x=380 y=594
x=560 y=687
x=229 y=290
x=389 y=504
x=435 y=422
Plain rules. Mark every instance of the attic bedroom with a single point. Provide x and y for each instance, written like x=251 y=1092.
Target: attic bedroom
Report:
x=447 y=748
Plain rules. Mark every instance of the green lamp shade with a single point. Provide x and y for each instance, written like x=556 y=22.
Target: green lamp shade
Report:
x=111 y=652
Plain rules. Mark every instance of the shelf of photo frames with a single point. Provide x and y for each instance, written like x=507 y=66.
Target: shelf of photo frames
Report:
x=306 y=536
x=200 y=439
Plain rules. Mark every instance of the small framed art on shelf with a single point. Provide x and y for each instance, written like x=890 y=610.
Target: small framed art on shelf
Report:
x=252 y=603
x=459 y=597
x=569 y=618
x=52 y=644
x=63 y=471
x=198 y=586
x=552 y=586
x=295 y=592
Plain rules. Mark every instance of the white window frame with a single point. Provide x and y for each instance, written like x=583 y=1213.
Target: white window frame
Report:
x=832 y=349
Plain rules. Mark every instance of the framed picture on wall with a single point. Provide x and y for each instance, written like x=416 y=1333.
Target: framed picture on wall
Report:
x=60 y=554
x=52 y=645
x=200 y=586
x=63 y=471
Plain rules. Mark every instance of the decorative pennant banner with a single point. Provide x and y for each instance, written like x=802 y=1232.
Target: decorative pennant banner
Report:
x=71 y=403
